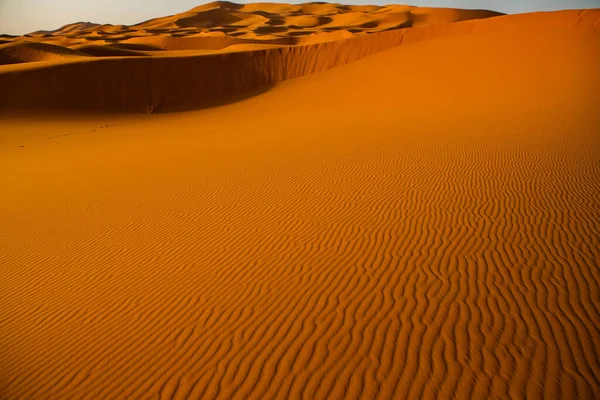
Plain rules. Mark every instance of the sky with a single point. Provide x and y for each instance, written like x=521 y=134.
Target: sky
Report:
x=18 y=17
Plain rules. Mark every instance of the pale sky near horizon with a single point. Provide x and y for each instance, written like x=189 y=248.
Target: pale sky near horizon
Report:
x=18 y=17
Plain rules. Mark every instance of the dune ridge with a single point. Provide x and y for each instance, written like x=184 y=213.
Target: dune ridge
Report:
x=166 y=83
x=213 y=28
x=14 y=53
x=134 y=84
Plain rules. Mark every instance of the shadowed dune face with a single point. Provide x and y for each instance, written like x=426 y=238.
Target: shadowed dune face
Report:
x=186 y=61
x=178 y=82
x=180 y=62
x=421 y=223
x=137 y=74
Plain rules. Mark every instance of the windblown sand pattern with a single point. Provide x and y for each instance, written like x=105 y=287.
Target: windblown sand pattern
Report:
x=421 y=223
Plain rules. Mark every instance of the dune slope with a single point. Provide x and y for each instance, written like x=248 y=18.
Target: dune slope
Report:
x=421 y=223
x=175 y=82
x=182 y=62
x=136 y=76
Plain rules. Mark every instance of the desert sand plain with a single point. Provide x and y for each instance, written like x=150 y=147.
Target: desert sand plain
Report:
x=302 y=201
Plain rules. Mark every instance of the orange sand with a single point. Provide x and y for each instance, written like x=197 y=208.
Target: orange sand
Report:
x=218 y=25
x=421 y=223
x=151 y=66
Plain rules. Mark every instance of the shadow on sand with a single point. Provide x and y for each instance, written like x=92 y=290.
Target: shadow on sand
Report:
x=135 y=84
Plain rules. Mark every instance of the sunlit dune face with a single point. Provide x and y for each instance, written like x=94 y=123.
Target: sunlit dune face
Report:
x=404 y=214
x=256 y=24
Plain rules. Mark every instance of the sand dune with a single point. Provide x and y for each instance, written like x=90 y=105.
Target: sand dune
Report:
x=172 y=80
x=176 y=74
x=257 y=23
x=23 y=52
x=422 y=222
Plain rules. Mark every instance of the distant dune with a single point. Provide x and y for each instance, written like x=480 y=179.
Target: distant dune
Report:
x=402 y=214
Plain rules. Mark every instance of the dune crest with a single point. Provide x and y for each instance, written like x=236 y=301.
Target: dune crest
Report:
x=135 y=75
x=24 y=52
x=133 y=66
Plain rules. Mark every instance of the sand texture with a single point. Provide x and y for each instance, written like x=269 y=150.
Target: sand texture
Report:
x=405 y=214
